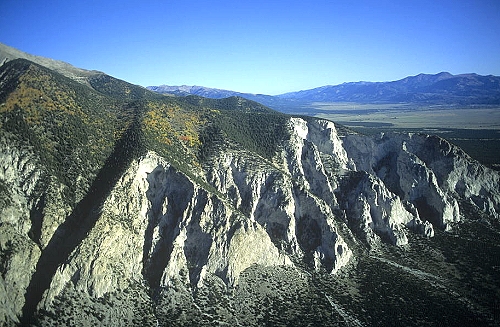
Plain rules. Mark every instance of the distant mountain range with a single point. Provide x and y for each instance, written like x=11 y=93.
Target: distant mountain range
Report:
x=275 y=102
x=442 y=88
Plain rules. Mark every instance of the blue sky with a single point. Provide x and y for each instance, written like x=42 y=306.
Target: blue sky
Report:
x=268 y=47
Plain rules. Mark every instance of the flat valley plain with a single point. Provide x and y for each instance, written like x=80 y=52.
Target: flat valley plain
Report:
x=476 y=129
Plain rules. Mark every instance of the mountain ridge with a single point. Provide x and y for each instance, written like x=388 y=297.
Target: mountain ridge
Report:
x=440 y=88
x=8 y=53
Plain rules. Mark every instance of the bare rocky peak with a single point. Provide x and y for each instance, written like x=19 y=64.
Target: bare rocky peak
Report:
x=78 y=74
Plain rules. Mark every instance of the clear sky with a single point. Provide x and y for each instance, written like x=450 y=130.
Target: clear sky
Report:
x=268 y=47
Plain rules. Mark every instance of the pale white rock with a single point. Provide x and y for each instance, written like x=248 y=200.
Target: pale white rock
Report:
x=55 y=210
x=378 y=210
x=274 y=200
x=20 y=255
x=456 y=173
x=324 y=135
x=114 y=245
x=317 y=231
x=250 y=245
x=205 y=239
x=426 y=171
x=419 y=186
x=19 y=176
x=318 y=141
x=266 y=213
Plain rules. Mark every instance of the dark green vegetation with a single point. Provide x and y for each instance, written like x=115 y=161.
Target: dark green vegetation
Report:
x=249 y=124
x=476 y=129
x=450 y=280
x=128 y=307
x=447 y=104
x=482 y=145
x=73 y=128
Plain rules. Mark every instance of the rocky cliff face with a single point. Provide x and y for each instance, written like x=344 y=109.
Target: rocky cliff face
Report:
x=323 y=194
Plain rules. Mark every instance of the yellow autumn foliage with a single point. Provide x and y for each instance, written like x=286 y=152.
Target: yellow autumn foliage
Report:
x=168 y=122
x=37 y=94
